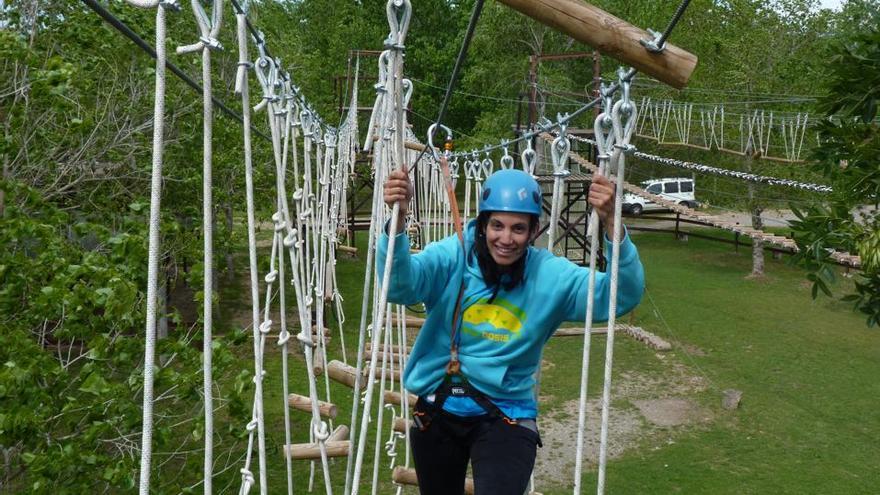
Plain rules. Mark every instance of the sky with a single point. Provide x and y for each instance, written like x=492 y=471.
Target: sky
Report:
x=831 y=4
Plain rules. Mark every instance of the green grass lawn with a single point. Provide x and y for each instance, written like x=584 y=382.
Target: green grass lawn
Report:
x=808 y=421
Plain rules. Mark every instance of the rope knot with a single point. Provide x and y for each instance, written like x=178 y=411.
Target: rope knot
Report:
x=322 y=433
x=266 y=327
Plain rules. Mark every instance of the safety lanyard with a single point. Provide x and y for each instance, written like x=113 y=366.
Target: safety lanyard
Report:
x=454 y=367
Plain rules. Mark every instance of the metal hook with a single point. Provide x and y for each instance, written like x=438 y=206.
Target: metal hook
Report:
x=433 y=130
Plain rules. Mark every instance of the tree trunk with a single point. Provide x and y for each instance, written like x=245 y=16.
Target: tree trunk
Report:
x=230 y=261
x=162 y=324
x=757 y=223
x=757 y=244
x=2 y=191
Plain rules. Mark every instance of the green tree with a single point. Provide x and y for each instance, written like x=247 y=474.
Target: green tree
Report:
x=848 y=158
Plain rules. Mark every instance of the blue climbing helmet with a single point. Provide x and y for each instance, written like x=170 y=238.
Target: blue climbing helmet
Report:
x=511 y=190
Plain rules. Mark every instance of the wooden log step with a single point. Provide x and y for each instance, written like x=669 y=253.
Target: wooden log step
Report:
x=349 y=250
x=339 y=434
x=397 y=399
x=379 y=355
x=338 y=448
x=401 y=424
x=342 y=373
x=395 y=376
x=395 y=348
x=407 y=476
x=303 y=403
x=411 y=321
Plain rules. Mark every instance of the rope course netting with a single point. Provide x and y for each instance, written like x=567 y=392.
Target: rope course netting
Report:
x=773 y=136
x=313 y=164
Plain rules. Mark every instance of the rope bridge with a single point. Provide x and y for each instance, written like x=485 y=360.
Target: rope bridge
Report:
x=307 y=217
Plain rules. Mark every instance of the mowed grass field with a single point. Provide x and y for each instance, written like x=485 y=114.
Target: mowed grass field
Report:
x=808 y=421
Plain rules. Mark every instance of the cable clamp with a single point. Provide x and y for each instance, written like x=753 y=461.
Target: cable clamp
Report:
x=653 y=44
x=246 y=65
x=211 y=43
x=628 y=149
x=171 y=5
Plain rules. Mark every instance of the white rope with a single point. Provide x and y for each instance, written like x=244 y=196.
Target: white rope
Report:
x=242 y=88
x=154 y=245
x=209 y=29
x=622 y=134
x=605 y=141
x=559 y=154
x=398 y=19
x=377 y=118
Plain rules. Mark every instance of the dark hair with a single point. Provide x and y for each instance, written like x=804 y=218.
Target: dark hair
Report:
x=492 y=272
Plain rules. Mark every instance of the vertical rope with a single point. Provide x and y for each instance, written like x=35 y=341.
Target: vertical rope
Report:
x=154 y=249
x=604 y=141
x=242 y=88
x=209 y=29
x=622 y=134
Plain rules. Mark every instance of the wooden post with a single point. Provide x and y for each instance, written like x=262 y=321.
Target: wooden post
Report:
x=610 y=35
x=533 y=90
x=339 y=434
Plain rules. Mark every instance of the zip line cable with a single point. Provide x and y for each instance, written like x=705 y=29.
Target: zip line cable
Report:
x=459 y=61
x=143 y=45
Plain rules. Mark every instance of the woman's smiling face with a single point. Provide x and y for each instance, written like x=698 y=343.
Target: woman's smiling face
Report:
x=508 y=236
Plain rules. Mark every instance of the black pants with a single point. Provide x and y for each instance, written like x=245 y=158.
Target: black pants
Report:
x=502 y=454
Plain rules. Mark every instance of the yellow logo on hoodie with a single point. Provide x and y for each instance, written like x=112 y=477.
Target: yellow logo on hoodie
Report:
x=499 y=322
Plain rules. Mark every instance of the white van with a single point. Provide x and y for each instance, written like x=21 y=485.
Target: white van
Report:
x=676 y=189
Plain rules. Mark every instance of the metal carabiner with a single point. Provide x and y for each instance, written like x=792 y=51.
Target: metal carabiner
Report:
x=561 y=147
x=399 y=13
x=529 y=158
x=506 y=159
x=487 y=165
x=408 y=91
x=433 y=129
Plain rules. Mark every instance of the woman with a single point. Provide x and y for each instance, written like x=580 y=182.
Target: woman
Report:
x=491 y=306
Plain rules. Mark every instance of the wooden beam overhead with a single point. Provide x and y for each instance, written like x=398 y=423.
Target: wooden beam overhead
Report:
x=611 y=36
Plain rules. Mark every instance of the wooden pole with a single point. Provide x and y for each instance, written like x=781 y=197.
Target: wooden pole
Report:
x=610 y=35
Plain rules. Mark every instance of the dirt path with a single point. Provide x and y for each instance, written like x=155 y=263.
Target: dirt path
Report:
x=645 y=408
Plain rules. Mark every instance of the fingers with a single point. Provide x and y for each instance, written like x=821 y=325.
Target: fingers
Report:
x=397 y=189
x=601 y=192
x=601 y=197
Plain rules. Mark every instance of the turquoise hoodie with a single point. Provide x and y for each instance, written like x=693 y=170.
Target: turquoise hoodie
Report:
x=501 y=342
